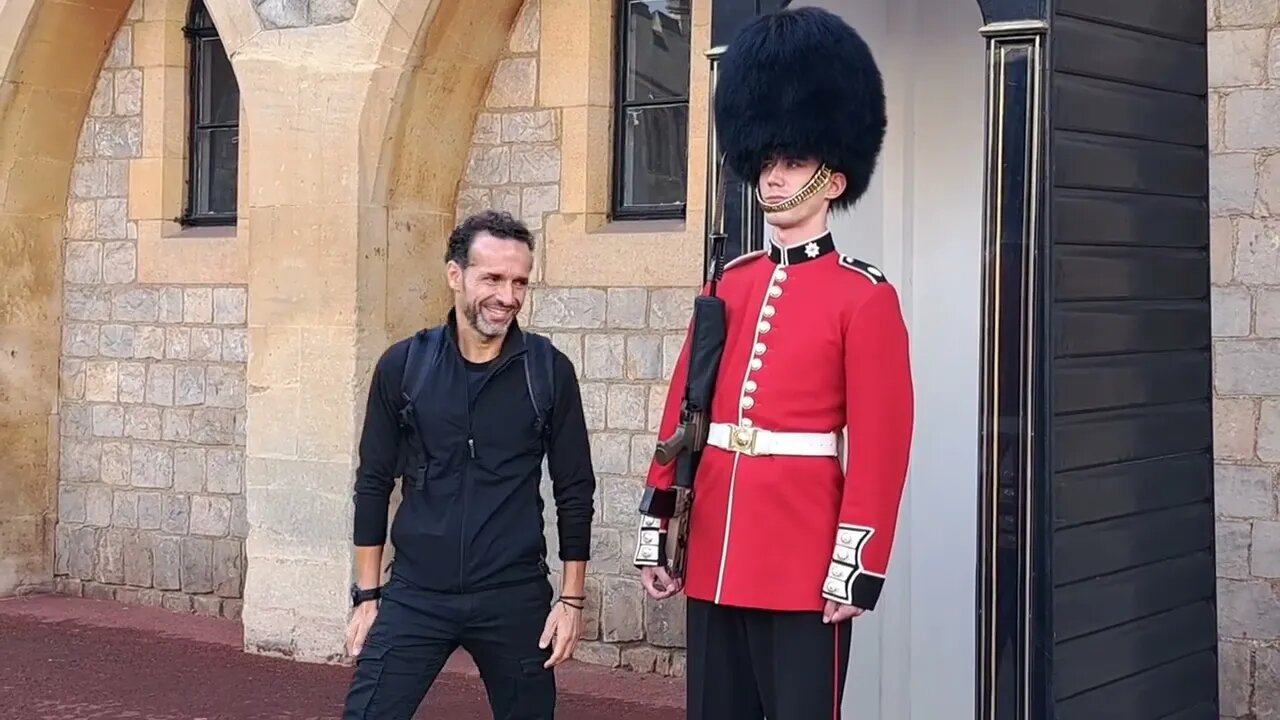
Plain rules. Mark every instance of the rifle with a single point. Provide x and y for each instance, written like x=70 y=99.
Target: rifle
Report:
x=706 y=346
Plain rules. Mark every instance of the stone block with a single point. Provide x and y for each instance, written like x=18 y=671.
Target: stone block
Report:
x=71 y=503
x=1269 y=431
x=151 y=466
x=197 y=306
x=71 y=379
x=470 y=202
x=112 y=224
x=225 y=470
x=128 y=92
x=116 y=341
x=604 y=357
x=1265 y=555
x=529 y=127
x=210 y=515
x=101 y=380
x=92 y=304
x=626 y=407
x=507 y=200
x=536 y=202
x=641 y=658
x=1247 y=12
x=1237 y=57
x=121 y=52
x=488 y=130
x=598 y=653
x=84 y=546
x=132 y=382
x=176 y=425
x=610 y=452
x=137 y=561
x=621 y=497
x=331 y=12
x=81 y=222
x=188 y=469
x=1266 y=691
x=206 y=605
x=171 y=305
x=1247 y=367
x=229 y=306
x=79 y=340
x=83 y=263
x=142 y=422
x=628 y=308
x=167 y=563
x=594 y=404
x=1235 y=677
x=488 y=166
x=1233 y=183
x=124 y=515
x=79 y=461
x=672 y=345
x=228 y=564
x=177 y=343
x=233 y=609
x=98 y=591
x=1233 y=537
x=150 y=512
x=644 y=357
x=225 y=386
x=149 y=342
x=108 y=421
x=118 y=137
x=664 y=621
x=671 y=308
x=622 y=612
x=212 y=426
x=1246 y=610
x=607 y=556
x=76 y=421
x=642 y=453
x=1269 y=170
x=514 y=83
x=282 y=13
x=1249 y=116
x=569 y=308
x=117 y=464
x=239 y=517
x=197 y=565
x=535 y=163
x=571 y=345
x=109 y=563
x=189 y=385
x=235 y=345
x=177 y=603
x=101 y=100
x=1242 y=491
x=137 y=304
x=528 y=28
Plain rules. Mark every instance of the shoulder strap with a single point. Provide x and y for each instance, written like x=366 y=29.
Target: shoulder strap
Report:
x=422 y=350
x=539 y=372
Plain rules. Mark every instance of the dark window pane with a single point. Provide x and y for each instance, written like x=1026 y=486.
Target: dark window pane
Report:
x=657 y=50
x=219 y=94
x=200 y=17
x=655 y=155
x=216 y=171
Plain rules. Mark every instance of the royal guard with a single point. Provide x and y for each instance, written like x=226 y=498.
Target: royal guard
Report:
x=797 y=488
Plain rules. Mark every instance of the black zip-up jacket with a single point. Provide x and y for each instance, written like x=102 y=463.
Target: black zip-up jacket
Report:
x=477 y=521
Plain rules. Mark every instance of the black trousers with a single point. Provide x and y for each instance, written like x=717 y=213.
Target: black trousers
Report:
x=417 y=630
x=746 y=664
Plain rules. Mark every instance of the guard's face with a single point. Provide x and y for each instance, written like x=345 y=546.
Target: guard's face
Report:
x=783 y=177
x=491 y=290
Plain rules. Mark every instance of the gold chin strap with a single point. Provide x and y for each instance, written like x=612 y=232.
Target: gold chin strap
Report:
x=811 y=188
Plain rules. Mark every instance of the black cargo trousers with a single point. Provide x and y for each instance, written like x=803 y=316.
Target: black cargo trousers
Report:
x=417 y=630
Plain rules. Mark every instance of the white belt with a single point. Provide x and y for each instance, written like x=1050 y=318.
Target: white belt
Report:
x=754 y=441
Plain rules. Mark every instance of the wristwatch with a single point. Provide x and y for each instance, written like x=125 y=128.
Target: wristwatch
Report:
x=360 y=595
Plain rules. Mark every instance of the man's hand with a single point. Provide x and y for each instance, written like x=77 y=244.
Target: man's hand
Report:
x=565 y=626
x=358 y=627
x=835 y=612
x=659 y=583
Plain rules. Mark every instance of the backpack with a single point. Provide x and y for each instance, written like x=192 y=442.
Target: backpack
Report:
x=539 y=360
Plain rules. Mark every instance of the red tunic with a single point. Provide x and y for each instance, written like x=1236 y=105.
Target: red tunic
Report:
x=816 y=342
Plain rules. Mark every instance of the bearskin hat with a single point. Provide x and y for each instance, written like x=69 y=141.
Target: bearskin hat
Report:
x=801 y=83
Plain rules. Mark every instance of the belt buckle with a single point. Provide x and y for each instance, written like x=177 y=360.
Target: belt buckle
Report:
x=742 y=439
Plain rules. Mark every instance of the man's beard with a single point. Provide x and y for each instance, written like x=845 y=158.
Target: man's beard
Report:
x=482 y=325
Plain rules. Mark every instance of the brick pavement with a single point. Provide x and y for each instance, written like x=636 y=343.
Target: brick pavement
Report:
x=64 y=658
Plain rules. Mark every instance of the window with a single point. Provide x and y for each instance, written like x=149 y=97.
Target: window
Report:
x=213 y=129
x=651 y=146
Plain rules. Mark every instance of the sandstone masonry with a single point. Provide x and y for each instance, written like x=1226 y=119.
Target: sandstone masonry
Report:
x=151 y=502
x=1244 y=75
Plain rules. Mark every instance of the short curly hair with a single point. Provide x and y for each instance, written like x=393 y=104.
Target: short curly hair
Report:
x=496 y=223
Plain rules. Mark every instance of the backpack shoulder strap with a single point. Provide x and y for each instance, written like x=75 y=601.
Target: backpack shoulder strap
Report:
x=539 y=369
x=422 y=350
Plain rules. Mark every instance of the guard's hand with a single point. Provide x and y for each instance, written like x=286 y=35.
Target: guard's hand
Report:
x=565 y=626
x=836 y=612
x=358 y=627
x=659 y=583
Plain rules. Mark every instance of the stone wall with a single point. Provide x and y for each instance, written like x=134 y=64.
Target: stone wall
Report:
x=152 y=392
x=1244 y=75
x=622 y=340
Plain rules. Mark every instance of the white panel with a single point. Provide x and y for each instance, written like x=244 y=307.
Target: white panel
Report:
x=913 y=658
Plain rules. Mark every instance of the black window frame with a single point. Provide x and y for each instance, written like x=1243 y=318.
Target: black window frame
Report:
x=618 y=208
x=199 y=29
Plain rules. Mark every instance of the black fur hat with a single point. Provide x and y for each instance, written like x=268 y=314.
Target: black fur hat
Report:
x=801 y=83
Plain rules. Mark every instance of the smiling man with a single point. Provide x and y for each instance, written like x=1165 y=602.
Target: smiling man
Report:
x=464 y=414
